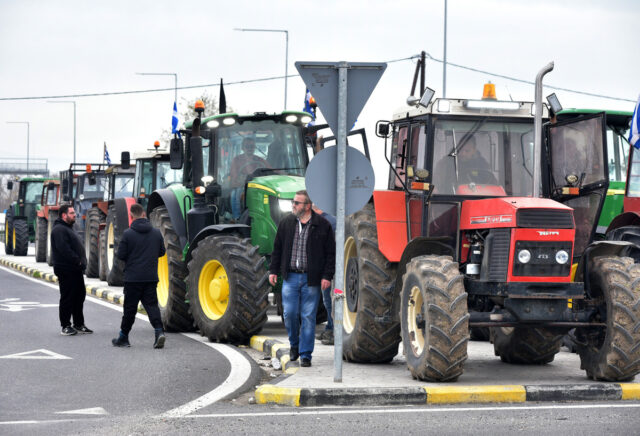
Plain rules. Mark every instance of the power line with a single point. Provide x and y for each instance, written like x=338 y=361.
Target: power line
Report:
x=266 y=79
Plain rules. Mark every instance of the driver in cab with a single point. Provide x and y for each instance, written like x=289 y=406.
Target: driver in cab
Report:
x=246 y=163
x=472 y=167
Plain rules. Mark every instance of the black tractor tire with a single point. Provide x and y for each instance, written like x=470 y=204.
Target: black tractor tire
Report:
x=53 y=216
x=612 y=353
x=102 y=266
x=92 y=241
x=527 y=345
x=228 y=288
x=8 y=232
x=21 y=232
x=172 y=273
x=114 y=267
x=369 y=279
x=434 y=318
x=41 y=239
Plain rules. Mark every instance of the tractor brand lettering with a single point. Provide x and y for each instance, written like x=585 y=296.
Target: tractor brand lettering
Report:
x=491 y=219
x=543 y=256
x=548 y=233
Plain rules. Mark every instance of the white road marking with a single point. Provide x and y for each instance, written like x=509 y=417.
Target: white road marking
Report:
x=240 y=366
x=15 y=305
x=239 y=374
x=33 y=421
x=36 y=354
x=334 y=411
x=88 y=411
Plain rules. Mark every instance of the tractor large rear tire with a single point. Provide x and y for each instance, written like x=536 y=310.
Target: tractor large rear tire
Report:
x=228 y=288
x=612 y=353
x=41 y=239
x=434 y=318
x=8 y=232
x=92 y=242
x=114 y=266
x=53 y=216
x=528 y=345
x=172 y=273
x=21 y=237
x=102 y=268
x=369 y=287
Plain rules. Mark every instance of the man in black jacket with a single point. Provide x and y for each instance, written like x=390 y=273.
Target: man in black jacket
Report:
x=69 y=262
x=304 y=254
x=140 y=247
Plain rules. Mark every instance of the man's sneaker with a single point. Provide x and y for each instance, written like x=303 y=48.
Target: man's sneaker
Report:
x=83 y=329
x=293 y=354
x=160 y=338
x=304 y=362
x=324 y=334
x=120 y=341
x=328 y=338
x=320 y=335
x=68 y=331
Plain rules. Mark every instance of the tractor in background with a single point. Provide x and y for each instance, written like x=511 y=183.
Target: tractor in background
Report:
x=20 y=218
x=47 y=212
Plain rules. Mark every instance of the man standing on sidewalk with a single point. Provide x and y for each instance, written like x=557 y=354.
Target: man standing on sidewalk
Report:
x=69 y=262
x=304 y=253
x=140 y=247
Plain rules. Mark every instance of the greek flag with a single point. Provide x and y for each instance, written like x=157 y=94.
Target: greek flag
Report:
x=634 y=132
x=307 y=104
x=106 y=155
x=174 y=119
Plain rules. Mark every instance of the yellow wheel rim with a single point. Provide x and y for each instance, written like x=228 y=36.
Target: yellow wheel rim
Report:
x=415 y=310
x=162 y=289
x=110 y=241
x=14 y=237
x=349 y=318
x=213 y=290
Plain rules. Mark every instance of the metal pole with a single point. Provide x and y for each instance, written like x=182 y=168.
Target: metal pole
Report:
x=537 y=128
x=175 y=82
x=444 y=59
x=28 y=132
x=74 y=132
x=286 y=68
x=340 y=215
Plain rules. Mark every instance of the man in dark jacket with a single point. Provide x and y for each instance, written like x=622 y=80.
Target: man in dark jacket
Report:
x=304 y=254
x=140 y=247
x=69 y=262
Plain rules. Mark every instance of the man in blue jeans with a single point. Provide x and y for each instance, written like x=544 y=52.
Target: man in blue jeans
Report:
x=304 y=254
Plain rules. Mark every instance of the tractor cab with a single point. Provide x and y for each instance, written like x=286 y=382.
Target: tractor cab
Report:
x=83 y=185
x=153 y=171
x=20 y=220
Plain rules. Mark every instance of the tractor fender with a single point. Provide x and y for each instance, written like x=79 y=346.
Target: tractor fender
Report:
x=122 y=213
x=166 y=197
x=624 y=219
x=604 y=248
x=243 y=229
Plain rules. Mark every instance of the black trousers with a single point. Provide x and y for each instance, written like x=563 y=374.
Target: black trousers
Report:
x=72 y=295
x=134 y=292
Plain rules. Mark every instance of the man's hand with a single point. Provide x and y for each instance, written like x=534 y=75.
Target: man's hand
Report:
x=324 y=284
x=273 y=278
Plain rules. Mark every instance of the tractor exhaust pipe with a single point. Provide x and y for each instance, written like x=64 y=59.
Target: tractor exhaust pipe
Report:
x=537 y=127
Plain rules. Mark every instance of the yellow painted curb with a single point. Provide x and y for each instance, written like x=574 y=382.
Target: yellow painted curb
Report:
x=630 y=391
x=257 y=342
x=291 y=370
x=476 y=394
x=276 y=347
x=273 y=394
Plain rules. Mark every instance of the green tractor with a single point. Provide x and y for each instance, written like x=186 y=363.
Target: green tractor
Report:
x=20 y=219
x=220 y=224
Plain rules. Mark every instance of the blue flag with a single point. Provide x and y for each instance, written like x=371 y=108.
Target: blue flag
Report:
x=106 y=155
x=634 y=132
x=307 y=105
x=174 y=119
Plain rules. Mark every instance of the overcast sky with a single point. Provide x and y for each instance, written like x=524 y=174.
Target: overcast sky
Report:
x=54 y=47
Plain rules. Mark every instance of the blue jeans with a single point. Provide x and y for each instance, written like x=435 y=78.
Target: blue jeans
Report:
x=326 y=299
x=300 y=303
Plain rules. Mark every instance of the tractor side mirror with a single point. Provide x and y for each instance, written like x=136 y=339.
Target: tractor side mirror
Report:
x=382 y=129
x=125 y=160
x=51 y=186
x=176 y=153
x=10 y=185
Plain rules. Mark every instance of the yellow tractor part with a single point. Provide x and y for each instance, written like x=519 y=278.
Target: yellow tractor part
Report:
x=163 y=281
x=349 y=318
x=213 y=290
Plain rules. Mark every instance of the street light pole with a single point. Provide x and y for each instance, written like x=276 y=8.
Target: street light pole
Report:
x=175 y=82
x=28 y=128
x=444 y=60
x=286 y=54
x=74 y=124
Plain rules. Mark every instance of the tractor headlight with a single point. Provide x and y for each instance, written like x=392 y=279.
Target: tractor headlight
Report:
x=291 y=119
x=562 y=257
x=305 y=119
x=213 y=124
x=524 y=256
x=284 y=204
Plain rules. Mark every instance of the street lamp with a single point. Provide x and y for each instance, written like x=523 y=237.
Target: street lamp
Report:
x=175 y=79
x=444 y=61
x=28 y=128
x=286 y=55
x=74 y=124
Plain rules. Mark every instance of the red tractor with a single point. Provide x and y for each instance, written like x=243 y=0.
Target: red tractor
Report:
x=47 y=214
x=469 y=235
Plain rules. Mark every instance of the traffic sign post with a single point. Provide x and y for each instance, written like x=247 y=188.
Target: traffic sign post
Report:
x=340 y=105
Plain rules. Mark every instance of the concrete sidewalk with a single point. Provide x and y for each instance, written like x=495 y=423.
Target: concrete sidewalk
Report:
x=485 y=380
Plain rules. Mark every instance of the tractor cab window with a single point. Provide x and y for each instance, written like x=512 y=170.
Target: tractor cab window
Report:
x=633 y=189
x=33 y=192
x=166 y=176
x=144 y=178
x=123 y=186
x=617 y=147
x=483 y=158
x=51 y=196
x=399 y=147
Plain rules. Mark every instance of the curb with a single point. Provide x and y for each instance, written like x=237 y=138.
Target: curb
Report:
x=277 y=349
x=96 y=291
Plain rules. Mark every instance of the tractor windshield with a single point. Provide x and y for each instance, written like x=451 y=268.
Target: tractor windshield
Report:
x=33 y=192
x=123 y=186
x=484 y=157
x=165 y=176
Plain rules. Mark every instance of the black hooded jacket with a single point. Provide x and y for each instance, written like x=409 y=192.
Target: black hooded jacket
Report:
x=140 y=247
x=66 y=248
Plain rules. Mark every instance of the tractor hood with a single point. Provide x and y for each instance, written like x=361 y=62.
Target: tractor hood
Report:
x=506 y=212
x=281 y=186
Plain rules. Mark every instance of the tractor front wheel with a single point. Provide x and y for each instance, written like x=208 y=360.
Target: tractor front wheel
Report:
x=53 y=216
x=8 y=233
x=528 y=345
x=114 y=266
x=228 y=288
x=91 y=241
x=41 y=240
x=20 y=237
